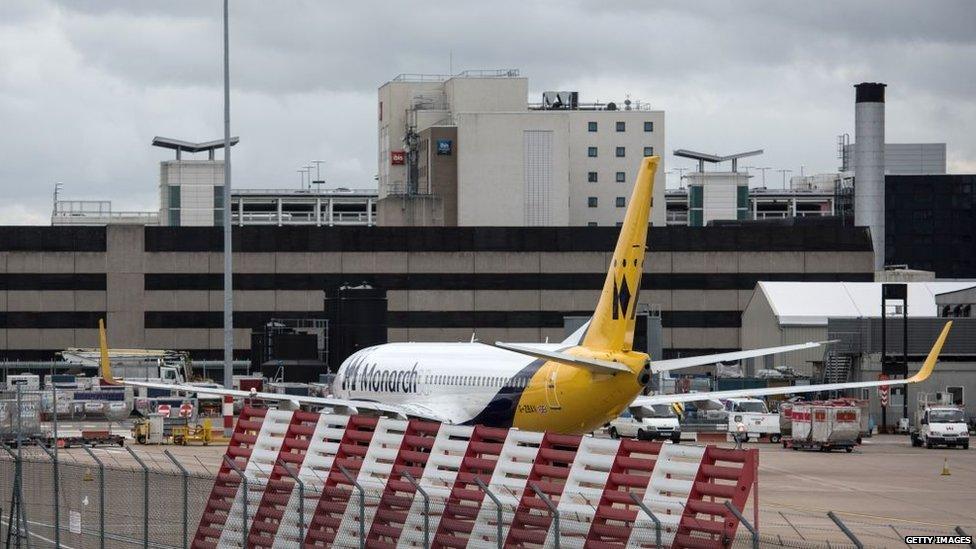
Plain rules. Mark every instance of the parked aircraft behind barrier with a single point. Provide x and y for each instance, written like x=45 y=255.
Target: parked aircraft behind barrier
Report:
x=570 y=387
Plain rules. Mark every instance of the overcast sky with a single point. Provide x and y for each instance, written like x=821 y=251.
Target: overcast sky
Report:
x=84 y=86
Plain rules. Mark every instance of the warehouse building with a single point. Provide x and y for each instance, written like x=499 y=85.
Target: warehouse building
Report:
x=849 y=313
x=160 y=287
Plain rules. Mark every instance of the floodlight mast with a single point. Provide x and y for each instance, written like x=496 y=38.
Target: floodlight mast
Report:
x=228 y=243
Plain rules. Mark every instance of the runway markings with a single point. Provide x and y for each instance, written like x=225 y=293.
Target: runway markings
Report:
x=38 y=536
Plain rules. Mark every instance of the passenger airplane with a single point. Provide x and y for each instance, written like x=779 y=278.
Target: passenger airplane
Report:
x=570 y=387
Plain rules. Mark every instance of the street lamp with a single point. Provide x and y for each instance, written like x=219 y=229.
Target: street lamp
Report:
x=228 y=246
x=763 y=170
x=784 y=172
x=318 y=175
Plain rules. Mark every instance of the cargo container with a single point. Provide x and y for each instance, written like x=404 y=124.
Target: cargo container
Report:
x=824 y=427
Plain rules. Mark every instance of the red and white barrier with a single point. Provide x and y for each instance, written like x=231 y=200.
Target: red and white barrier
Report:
x=591 y=481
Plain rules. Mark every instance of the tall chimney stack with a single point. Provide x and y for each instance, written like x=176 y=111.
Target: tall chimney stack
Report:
x=869 y=165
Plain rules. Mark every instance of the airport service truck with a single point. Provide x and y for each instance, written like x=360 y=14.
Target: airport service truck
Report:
x=653 y=422
x=939 y=422
x=759 y=421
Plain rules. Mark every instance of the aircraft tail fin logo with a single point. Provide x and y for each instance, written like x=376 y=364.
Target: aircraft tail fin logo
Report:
x=612 y=327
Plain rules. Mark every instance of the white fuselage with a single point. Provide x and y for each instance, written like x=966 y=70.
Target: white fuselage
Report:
x=455 y=380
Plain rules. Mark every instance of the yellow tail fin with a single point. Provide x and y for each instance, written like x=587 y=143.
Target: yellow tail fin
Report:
x=104 y=365
x=612 y=327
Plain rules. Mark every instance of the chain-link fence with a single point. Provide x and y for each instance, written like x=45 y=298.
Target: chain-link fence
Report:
x=103 y=499
x=116 y=497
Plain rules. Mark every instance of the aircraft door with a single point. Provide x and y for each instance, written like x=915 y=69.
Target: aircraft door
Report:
x=552 y=396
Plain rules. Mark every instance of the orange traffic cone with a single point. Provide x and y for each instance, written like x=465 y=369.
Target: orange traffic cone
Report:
x=945 y=468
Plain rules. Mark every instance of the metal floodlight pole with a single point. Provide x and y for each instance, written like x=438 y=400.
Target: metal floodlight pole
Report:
x=647 y=511
x=185 y=474
x=498 y=510
x=228 y=242
x=362 y=504
x=244 y=489
x=423 y=494
x=145 y=496
x=101 y=497
x=301 y=499
x=318 y=165
x=552 y=510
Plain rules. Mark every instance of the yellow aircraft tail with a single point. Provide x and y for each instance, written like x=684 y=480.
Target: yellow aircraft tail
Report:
x=612 y=327
x=105 y=367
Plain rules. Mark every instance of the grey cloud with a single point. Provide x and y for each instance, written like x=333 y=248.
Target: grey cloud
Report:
x=84 y=85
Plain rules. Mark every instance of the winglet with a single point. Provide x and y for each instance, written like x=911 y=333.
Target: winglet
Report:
x=933 y=357
x=104 y=364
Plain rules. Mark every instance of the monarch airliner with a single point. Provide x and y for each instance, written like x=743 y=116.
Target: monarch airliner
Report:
x=570 y=387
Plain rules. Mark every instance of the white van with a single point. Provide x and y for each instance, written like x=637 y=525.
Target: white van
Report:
x=657 y=421
x=755 y=415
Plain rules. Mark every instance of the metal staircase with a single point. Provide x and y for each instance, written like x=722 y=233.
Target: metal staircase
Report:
x=837 y=367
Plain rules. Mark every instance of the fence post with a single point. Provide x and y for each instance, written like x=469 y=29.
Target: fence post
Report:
x=244 y=529
x=145 y=496
x=301 y=500
x=186 y=488
x=498 y=510
x=552 y=509
x=57 y=494
x=960 y=531
x=742 y=519
x=847 y=531
x=362 y=505
x=101 y=497
x=17 y=505
x=423 y=494
x=22 y=530
x=647 y=511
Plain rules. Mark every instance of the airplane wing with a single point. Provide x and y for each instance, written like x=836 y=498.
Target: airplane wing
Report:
x=343 y=405
x=921 y=375
x=703 y=360
x=340 y=404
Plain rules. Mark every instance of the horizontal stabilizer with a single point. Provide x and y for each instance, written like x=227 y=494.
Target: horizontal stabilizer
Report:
x=595 y=364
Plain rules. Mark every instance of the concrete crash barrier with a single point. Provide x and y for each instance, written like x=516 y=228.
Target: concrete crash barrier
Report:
x=322 y=480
